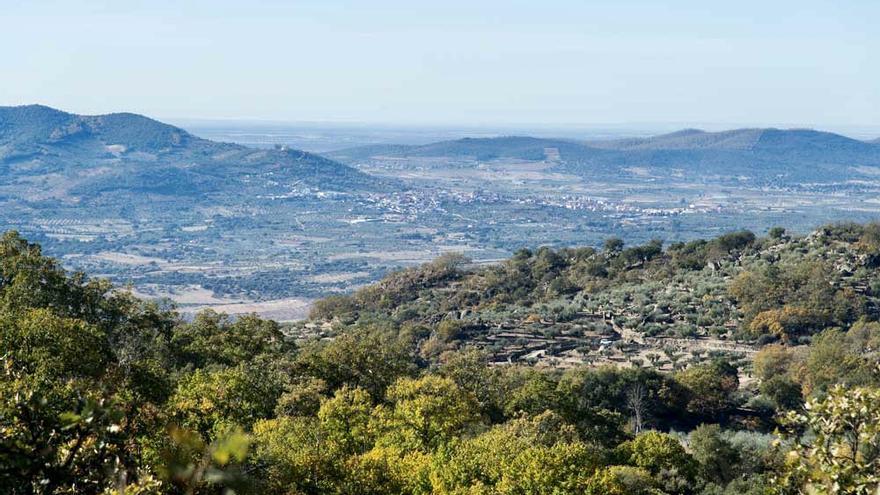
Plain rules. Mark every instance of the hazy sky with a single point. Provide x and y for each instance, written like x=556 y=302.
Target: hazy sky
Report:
x=464 y=62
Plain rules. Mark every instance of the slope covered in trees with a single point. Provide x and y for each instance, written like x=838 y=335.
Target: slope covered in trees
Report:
x=103 y=393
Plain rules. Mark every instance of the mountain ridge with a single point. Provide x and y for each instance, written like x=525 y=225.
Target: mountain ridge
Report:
x=38 y=139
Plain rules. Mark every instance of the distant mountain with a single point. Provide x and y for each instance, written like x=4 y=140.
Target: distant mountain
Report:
x=770 y=154
x=47 y=153
x=764 y=154
x=776 y=140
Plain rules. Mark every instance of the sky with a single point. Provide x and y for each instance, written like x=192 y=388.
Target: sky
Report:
x=550 y=62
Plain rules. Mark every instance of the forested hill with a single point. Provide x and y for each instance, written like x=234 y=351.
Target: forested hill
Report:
x=47 y=153
x=101 y=392
x=736 y=287
x=787 y=155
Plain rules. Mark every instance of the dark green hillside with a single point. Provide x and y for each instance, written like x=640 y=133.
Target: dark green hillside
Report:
x=103 y=393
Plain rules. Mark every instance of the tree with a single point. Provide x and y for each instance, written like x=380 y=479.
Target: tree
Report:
x=613 y=245
x=560 y=469
x=426 y=412
x=834 y=359
x=49 y=347
x=636 y=401
x=786 y=324
x=470 y=370
x=841 y=453
x=658 y=453
x=529 y=391
x=367 y=357
x=774 y=360
x=711 y=386
x=776 y=233
x=716 y=456
x=292 y=457
x=56 y=439
x=783 y=391
x=390 y=469
x=345 y=419
x=214 y=338
x=622 y=480
x=302 y=398
x=449 y=330
x=538 y=454
x=193 y=465
x=211 y=402
x=608 y=388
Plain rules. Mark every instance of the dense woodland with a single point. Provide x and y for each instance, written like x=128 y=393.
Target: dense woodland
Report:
x=103 y=393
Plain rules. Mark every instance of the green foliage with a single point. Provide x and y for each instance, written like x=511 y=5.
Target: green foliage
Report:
x=524 y=456
x=102 y=393
x=836 y=357
x=211 y=402
x=425 y=413
x=840 y=455
x=293 y=457
x=448 y=330
x=799 y=300
x=345 y=419
x=56 y=438
x=662 y=455
x=714 y=453
x=194 y=466
x=623 y=480
x=216 y=339
x=711 y=387
x=470 y=370
x=587 y=392
x=302 y=398
x=369 y=358
x=783 y=391
x=529 y=391
x=48 y=347
x=563 y=468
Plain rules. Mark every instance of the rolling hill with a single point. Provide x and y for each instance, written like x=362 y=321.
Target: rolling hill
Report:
x=792 y=155
x=47 y=153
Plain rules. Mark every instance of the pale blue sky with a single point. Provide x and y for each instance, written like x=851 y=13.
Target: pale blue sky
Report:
x=803 y=62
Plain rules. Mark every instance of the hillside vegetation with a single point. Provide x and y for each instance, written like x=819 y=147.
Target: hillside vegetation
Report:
x=103 y=393
x=736 y=289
